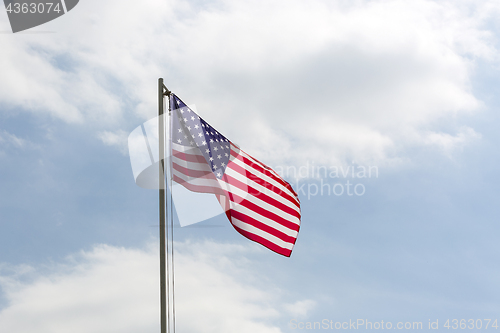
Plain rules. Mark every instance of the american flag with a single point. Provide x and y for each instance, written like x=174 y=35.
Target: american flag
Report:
x=257 y=201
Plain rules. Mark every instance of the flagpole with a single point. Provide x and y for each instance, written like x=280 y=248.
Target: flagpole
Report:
x=165 y=282
x=167 y=276
x=163 y=272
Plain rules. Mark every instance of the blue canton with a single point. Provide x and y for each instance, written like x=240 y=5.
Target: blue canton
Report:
x=189 y=130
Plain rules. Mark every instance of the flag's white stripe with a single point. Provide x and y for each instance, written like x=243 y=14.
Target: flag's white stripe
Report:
x=260 y=188
x=262 y=165
x=184 y=149
x=266 y=206
x=262 y=176
x=265 y=220
x=265 y=167
x=242 y=153
x=251 y=229
x=197 y=166
x=191 y=165
x=193 y=152
x=196 y=180
x=224 y=202
x=187 y=150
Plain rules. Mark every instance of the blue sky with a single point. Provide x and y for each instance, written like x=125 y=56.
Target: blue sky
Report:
x=408 y=87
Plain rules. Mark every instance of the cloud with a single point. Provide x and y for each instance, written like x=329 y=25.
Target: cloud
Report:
x=449 y=142
x=118 y=139
x=300 y=308
x=112 y=289
x=9 y=139
x=290 y=81
x=10 y=142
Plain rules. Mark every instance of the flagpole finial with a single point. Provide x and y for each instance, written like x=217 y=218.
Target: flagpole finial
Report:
x=165 y=92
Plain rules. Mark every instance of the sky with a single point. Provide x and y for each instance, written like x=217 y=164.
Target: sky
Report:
x=382 y=114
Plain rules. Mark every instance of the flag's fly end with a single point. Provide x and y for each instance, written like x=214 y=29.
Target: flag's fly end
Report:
x=260 y=204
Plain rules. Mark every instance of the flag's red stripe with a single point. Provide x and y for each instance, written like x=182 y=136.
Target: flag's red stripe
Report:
x=238 y=150
x=270 y=245
x=268 y=169
x=193 y=173
x=198 y=188
x=189 y=157
x=262 y=182
x=264 y=227
x=262 y=196
x=259 y=210
x=259 y=168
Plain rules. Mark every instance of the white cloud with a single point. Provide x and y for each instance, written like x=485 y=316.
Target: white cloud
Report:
x=328 y=81
x=118 y=139
x=110 y=289
x=300 y=308
x=9 y=139
x=449 y=142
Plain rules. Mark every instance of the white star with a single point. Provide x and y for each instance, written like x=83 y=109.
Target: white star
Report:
x=227 y=147
x=196 y=126
x=211 y=140
x=211 y=159
x=218 y=174
x=179 y=140
x=215 y=166
x=215 y=148
x=192 y=117
x=223 y=164
x=182 y=111
x=219 y=157
x=185 y=119
x=185 y=136
x=200 y=134
x=189 y=110
x=226 y=154
x=179 y=130
x=207 y=151
x=189 y=127
x=204 y=143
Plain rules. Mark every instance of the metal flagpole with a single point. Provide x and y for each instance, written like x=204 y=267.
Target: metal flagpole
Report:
x=166 y=282
x=163 y=272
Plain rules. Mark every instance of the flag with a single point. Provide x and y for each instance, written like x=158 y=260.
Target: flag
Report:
x=260 y=204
